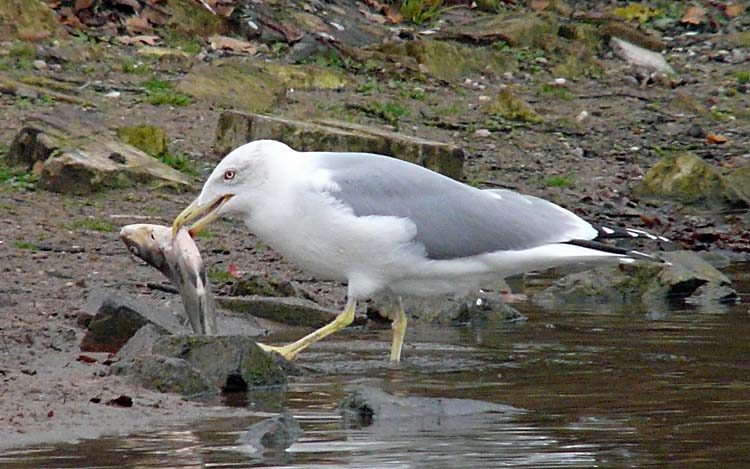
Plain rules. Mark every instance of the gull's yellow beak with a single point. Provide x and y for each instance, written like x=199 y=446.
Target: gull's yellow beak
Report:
x=209 y=212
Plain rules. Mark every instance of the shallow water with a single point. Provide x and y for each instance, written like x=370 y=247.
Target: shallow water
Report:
x=591 y=387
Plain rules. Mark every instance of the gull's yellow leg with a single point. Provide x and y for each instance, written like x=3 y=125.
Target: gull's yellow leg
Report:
x=342 y=320
x=399 y=330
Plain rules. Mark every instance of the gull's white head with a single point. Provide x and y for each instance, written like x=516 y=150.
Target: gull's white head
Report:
x=235 y=185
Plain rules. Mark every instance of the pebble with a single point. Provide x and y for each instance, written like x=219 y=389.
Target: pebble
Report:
x=482 y=133
x=696 y=131
x=582 y=116
x=560 y=81
x=112 y=94
x=484 y=98
x=39 y=64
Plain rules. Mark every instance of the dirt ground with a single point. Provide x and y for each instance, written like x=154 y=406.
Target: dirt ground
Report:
x=56 y=248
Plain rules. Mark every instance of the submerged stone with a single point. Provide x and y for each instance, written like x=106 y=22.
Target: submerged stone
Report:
x=275 y=433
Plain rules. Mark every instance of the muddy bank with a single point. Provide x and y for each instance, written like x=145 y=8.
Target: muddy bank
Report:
x=559 y=114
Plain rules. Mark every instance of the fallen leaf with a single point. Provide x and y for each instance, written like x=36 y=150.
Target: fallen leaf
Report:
x=138 y=24
x=232 y=269
x=694 y=15
x=232 y=44
x=393 y=14
x=140 y=39
x=716 y=138
x=82 y=5
x=85 y=359
x=122 y=401
x=50 y=414
x=650 y=222
x=539 y=5
x=733 y=11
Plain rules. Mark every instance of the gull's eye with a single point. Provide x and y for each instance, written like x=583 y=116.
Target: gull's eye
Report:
x=229 y=174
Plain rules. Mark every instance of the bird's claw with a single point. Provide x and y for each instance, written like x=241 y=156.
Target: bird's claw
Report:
x=286 y=352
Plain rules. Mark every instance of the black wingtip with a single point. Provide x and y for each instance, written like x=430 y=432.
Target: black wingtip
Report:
x=608 y=248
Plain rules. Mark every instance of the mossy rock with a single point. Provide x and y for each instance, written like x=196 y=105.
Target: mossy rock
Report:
x=647 y=38
x=28 y=20
x=149 y=138
x=217 y=358
x=165 y=374
x=442 y=60
x=690 y=180
x=234 y=85
x=534 y=30
x=308 y=76
x=509 y=106
x=190 y=19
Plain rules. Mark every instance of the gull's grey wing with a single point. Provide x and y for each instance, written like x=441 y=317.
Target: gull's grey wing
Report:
x=453 y=220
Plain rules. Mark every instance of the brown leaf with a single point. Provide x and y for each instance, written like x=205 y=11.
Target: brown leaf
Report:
x=539 y=5
x=82 y=5
x=393 y=14
x=694 y=15
x=232 y=44
x=140 y=39
x=138 y=24
x=733 y=11
x=716 y=138
x=156 y=16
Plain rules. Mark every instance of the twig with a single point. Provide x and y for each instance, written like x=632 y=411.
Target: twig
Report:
x=612 y=95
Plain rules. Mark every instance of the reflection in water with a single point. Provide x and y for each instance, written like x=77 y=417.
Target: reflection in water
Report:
x=607 y=387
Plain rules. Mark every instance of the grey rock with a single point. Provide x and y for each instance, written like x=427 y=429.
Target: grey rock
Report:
x=237 y=128
x=261 y=285
x=367 y=405
x=275 y=433
x=639 y=56
x=688 y=278
x=72 y=152
x=475 y=307
x=228 y=362
x=142 y=343
x=286 y=310
x=711 y=294
x=165 y=374
x=117 y=318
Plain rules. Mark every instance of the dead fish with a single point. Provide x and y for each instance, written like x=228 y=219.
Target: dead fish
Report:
x=180 y=261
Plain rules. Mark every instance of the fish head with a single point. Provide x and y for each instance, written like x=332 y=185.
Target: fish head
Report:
x=148 y=242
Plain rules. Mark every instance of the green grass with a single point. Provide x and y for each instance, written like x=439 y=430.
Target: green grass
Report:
x=559 y=181
x=22 y=50
x=558 y=91
x=102 y=226
x=371 y=85
x=160 y=92
x=180 y=163
x=390 y=111
x=188 y=44
x=743 y=77
x=420 y=11
x=16 y=178
x=24 y=245
x=217 y=275
x=134 y=67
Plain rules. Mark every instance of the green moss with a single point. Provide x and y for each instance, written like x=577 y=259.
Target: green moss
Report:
x=190 y=19
x=22 y=50
x=420 y=11
x=743 y=77
x=508 y=106
x=149 y=138
x=134 y=67
x=637 y=11
x=389 y=111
